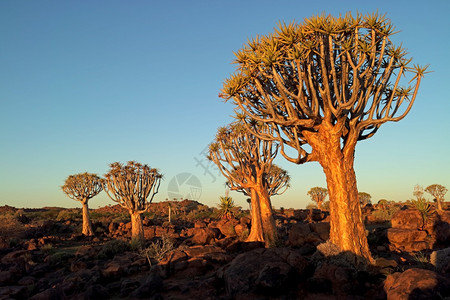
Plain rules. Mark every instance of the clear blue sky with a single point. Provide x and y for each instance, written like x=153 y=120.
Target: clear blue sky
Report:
x=87 y=83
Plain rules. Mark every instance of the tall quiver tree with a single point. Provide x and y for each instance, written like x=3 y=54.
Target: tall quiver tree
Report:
x=438 y=192
x=326 y=84
x=246 y=160
x=133 y=186
x=318 y=195
x=82 y=187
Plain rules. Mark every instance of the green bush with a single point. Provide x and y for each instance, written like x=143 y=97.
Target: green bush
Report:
x=386 y=214
x=111 y=248
x=59 y=258
x=69 y=215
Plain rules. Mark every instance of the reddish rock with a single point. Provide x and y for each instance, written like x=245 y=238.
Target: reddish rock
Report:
x=226 y=227
x=199 y=224
x=240 y=229
x=204 y=236
x=149 y=232
x=199 y=251
x=322 y=229
x=113 y=270
x=417 y=284
x=86 y=252
x=409 y=239
x=301 y=234
x=407 y=219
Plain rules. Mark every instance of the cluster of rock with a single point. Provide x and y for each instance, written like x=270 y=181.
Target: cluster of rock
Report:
x=412 y=231
x=210 y=260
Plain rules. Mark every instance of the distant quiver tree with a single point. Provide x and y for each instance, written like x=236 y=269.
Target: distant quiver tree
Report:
x=323 y=85
x=438 y=192
x=318 y=195
x=364 y=198
x=82 y=187
x=133 y=186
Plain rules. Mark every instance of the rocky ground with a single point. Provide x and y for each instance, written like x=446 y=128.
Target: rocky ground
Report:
x=197 y=256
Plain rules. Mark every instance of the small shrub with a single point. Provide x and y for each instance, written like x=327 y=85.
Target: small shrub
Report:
x=158 y=250
x=386 y=214
x=328 y=249
x=420 y=258
x=111 y=248
x=69 y=215
x=59 y=258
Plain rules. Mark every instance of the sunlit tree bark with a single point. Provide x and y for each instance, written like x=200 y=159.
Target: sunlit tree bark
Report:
x=131 y=185
x=82 y=187
x=323 y=85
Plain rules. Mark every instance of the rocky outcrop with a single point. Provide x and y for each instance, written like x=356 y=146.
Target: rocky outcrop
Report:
x=417 y=284
x=408 y=232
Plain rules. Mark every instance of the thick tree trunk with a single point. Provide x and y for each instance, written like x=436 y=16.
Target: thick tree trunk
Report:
x=137 y=229
x=268 y=222
x=439 y=204
x=346 y=223
x=256 y=231
x=87 y=225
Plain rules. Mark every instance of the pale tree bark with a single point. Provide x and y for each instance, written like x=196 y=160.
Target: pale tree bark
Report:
x=268 y=222
x=346 y=223
x=256 y=230
x=87 y=225
x=137 y=228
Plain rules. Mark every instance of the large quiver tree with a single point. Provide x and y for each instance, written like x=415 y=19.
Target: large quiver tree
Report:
x=327 y=83
x=82 y=187
x=133 y=186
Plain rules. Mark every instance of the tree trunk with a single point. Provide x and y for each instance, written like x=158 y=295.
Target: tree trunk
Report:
x=268 y=222
x=439 y=204
x=87 y=225
x=256 y=230
x=346 y=223
x=137 y=230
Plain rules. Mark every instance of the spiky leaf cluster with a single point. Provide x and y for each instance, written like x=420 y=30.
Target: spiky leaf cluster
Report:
x=130 y=185
x=240 y=155
x=83 y=186
x=342 y=70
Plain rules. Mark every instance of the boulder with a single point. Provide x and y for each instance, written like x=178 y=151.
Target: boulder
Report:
x=300 y=234
x=152 y=284
x=417 y=284
x=322 y=229
x=342 y=280
x=261 y=270
x=204 y=236
x=407 y=219
x=441 y=260
x=226 y=227
x=409 y=239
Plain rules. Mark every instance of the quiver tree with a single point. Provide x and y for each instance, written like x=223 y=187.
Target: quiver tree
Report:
x=318 y=195
x=82 y=187
x=438 y=192
x=323 y=85
x=133 y=186
x=246 y=160
x=364 y=198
